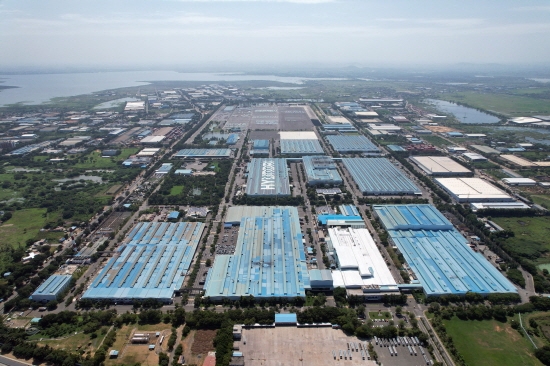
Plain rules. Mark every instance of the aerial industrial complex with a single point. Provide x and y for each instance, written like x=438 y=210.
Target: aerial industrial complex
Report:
x=267 y=177
x=378 y=176
x=437 y=254
x=151 y=265
x=244 y=196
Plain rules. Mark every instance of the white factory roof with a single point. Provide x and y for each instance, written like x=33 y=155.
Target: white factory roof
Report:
x=385 y=127
x=360 y=261
x=474 y=156
x=472 y=189
x=338 y=119
x=298 y=135
x=152 y=139
x=149 y=151
x=439 y=165
x=521 y=181
x=498 y=205
x=517 y=160
x=523 y=120
x=366 y=114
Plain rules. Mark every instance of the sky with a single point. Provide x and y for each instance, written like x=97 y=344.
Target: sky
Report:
x=158 y=33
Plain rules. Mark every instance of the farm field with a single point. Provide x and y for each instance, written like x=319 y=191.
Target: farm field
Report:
x=510 y=105
x=490 y=343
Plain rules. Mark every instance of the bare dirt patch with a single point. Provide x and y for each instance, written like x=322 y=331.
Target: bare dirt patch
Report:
x=203 y=341
x=440 y=129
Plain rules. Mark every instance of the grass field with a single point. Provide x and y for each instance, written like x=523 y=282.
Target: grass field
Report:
x=6 y=194
x=76 y=342
x=501 y=103
x=490 y=343
x=24 y=225
x=436 y=140
x=541 y=199
x=531 y=236
x=94 y=160
x=175 y=190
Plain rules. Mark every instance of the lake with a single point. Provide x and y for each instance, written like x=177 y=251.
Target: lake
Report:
x=40 y=88
x=463 y=114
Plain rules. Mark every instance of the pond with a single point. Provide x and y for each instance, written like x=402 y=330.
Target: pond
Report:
x=463 y=114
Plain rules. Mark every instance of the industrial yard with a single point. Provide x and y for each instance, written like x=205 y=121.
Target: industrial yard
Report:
x=281 y=205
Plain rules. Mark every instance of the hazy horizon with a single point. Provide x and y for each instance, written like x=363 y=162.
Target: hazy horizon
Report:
x=233 y=35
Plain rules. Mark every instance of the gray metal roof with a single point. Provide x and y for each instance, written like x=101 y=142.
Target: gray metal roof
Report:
x=267 y=177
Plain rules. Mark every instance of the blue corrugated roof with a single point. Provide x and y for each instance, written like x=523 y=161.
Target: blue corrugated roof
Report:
x=286 y=318
x=324 y=218
x=379 y=176
x=53 y=286
x=152 y=265
x=173 y=215
x=438 y=254
x=357 y=143
x=269 y=259
x=300 y=147
x=260 y=144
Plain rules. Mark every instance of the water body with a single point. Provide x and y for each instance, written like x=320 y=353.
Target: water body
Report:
x=40 y=88
x=115 y=103
x=463 y=114
x=541 y=80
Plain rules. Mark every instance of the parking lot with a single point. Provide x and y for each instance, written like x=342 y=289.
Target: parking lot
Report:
x=401 y=351
x=299 y=346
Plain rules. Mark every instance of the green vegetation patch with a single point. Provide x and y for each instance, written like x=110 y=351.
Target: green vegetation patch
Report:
x=543 y=200
x=436 y=140
x=501 y=103
x=24 y=225
x=530 y=238
x=94 y=160
x=490 y=343
x=175 y=190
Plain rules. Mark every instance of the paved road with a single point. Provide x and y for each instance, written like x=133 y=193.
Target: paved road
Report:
x=11 y=362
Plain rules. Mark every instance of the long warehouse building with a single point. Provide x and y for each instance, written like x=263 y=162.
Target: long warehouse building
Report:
x=269 y=259
x=301 y=147
x=203 y=153
x=473 y=190
x=378 y=176
x=440 y=166
x=267 y=177
x=152 y=265
x=353 y=144
x=437 y=254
